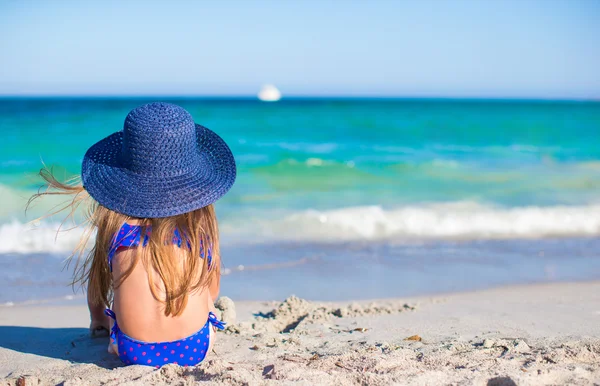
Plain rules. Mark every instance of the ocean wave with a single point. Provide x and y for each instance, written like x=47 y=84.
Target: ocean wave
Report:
x=516 y=147
x=45 y=237
x=457 y=220
x=306 y=147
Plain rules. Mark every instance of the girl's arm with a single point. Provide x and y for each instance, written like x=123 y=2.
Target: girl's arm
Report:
x=99 y=321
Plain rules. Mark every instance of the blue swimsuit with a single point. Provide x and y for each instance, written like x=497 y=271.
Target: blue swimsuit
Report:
x=188 y=351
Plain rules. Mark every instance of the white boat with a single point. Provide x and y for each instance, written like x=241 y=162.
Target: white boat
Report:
x=269 y=93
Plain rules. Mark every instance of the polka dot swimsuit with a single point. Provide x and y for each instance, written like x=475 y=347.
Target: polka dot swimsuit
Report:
x=188 y=351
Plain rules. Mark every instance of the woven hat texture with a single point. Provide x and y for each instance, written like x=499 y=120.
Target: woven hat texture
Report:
x=161 y=164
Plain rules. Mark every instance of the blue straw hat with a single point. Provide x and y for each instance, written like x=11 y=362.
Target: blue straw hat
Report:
x=162 y=164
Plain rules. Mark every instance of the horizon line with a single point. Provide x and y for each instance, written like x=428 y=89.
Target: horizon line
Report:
x=297 y=97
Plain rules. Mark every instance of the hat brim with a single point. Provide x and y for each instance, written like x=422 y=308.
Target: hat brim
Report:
x=119 y=189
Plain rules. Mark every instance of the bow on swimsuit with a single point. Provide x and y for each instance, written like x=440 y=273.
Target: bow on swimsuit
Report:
x=188 y=351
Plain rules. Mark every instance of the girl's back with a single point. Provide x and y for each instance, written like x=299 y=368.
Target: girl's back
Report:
x=141 y=316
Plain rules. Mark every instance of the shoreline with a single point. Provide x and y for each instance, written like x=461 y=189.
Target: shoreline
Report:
x=75 y=299
x=370 y=270
x=531 y=334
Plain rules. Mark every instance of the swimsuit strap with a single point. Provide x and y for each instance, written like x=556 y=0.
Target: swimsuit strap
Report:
x=130 y=236
x=212 y=318
x=115 y=328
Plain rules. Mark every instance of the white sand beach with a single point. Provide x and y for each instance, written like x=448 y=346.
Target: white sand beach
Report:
x=545 y=334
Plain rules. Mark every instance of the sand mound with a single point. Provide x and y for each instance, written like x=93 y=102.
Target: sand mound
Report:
x=295 y=312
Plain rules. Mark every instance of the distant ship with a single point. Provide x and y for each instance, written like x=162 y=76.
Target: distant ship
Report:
x=269 y=93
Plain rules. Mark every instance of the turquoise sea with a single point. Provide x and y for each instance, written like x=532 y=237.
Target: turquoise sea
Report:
x=343 y=198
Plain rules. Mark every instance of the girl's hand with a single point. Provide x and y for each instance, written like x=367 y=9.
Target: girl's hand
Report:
x=99 y=329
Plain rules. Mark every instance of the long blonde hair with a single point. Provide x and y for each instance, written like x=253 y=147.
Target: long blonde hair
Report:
x=179 y=276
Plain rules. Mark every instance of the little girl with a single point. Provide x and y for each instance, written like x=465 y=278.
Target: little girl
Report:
x=150 y=189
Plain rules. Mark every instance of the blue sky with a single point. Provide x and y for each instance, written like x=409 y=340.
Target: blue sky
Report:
x=437 y=48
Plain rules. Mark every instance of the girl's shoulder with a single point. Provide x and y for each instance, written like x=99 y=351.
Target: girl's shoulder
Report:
x=131 y=235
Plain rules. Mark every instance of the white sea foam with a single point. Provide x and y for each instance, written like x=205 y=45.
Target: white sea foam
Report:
x=458 y=220
x=16 y=237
